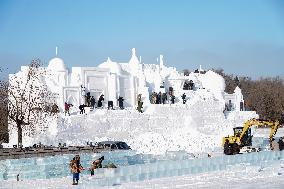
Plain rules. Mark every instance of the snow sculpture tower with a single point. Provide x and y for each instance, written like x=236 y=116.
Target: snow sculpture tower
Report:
x=58 y=73
x=239 y=99
x=161 y=61
x=134 y=63
x=57 y=67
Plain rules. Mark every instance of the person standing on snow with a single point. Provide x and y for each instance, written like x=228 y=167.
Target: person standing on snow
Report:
x=100 y=104
x=93 y=102
x=139 y=103
x=281 y=143
x=164 y=98
x=172 y=99
x=76 y=168
x=67 y=108
x=274 y=145
x=183 y=98
x=120 y=102
x=139 y=98
x=82 y=108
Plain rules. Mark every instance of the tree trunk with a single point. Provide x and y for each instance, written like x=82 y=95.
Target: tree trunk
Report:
x=20 y=135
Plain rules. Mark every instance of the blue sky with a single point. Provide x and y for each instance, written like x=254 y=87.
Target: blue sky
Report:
x=242 y=37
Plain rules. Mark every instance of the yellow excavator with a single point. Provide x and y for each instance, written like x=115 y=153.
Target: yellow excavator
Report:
x=243 y=138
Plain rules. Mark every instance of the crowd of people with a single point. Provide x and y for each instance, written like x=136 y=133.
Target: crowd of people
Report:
x=76 y=168
x=155 y=98
x=90 y=101
x=165 y=98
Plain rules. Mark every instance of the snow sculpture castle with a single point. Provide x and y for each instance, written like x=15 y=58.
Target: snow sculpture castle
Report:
x=130 y=79
x=203 y=112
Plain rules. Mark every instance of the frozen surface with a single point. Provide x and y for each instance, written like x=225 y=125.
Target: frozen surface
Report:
x=132 y=166
x=253 y=170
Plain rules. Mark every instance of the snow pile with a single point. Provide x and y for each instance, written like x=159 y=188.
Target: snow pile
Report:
x=197 y=126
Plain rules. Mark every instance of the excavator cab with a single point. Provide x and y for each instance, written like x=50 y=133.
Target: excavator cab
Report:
x=246 y=140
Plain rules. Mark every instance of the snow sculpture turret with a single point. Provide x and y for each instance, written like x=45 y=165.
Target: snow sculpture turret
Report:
x=239 y=99
x=134 y=63
x=214 y=83
x=58 y=70
x=113 y=67
x=56 y=64
x=161 y=61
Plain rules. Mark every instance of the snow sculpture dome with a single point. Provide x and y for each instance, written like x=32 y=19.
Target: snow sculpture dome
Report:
x=213 y=81
x=114 y=67
x=56 y=64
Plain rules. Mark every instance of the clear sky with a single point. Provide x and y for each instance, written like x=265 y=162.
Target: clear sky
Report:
x=244 y=37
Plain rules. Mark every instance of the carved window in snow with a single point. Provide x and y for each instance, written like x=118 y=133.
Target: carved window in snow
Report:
x=125 y=90
x=96 y=82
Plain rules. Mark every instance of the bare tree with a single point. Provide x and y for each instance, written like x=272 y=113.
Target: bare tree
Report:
x=27 y=94
x=4 y=136
x=186 y=72
x=264 y=95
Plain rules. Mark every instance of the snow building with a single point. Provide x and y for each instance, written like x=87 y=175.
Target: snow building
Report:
x=235 y=101
x=202 y=116
x=113 y=79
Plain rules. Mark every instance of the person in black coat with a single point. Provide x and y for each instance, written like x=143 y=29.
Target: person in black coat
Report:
x=164 y=98
x=100 y=104
x=120 y=102
x=173 y=99
x=281 y=143
x=183 y=98
x=82 y=108
x=93 y=102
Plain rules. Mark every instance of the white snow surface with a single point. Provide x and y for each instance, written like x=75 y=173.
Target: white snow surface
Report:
x=197 y=126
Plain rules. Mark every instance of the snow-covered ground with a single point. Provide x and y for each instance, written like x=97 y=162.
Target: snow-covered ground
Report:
x=238 y=176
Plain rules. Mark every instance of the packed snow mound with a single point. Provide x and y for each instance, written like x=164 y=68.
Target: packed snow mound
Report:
x=195 y=127
x=213 y=81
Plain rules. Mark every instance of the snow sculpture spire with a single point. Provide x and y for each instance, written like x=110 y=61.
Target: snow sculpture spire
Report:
x=56 y=50
x=108 y=60
x=161 y=61
x=134 y=62
x=238 y=90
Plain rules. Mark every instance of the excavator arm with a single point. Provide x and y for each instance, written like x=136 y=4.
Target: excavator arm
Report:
x=273 y=130
x=274 y=127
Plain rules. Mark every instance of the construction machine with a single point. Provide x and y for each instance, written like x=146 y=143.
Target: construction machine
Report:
x=242 y=138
